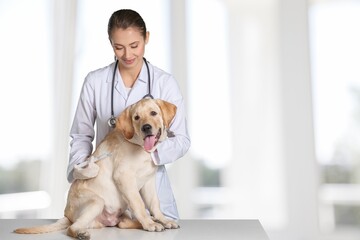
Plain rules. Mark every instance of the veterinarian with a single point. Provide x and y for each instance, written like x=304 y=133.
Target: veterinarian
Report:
x=106 y=92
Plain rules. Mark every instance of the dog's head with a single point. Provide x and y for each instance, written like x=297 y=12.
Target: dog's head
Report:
x=145 y=122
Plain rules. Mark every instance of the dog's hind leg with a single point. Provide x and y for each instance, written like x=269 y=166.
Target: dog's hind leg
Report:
x=90 y=209
x=126 y=222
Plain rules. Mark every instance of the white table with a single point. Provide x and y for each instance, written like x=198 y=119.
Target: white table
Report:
x=189 y=230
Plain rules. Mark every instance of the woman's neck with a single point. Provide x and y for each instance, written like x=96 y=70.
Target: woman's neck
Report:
x=129 y=75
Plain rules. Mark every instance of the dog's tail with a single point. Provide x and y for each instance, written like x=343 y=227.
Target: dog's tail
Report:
x=60 y=224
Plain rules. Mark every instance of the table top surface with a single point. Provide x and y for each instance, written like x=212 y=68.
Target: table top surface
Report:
x=189 y=230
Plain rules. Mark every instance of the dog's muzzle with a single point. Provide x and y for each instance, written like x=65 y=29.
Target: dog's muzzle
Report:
x=150 y=139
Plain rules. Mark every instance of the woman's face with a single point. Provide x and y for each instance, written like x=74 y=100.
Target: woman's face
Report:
x=129 y=46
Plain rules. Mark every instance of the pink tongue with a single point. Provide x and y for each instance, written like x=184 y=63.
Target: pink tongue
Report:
x=149 y=142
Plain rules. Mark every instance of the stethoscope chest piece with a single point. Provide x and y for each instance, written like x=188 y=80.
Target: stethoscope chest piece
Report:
x=112 y=122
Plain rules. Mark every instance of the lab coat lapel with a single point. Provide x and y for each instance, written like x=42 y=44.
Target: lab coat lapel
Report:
x=140 y=88
x=119 y=86
x=138 y=91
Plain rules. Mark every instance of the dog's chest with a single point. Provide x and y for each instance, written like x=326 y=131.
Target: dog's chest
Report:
x=145 y=171
x=138 y=162
x=137 y=165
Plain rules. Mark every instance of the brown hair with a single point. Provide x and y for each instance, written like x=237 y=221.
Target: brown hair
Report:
x=125 y=18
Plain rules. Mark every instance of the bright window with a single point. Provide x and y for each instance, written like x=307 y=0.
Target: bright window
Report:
x=209 y=91
x=335 y=49
x=25 y=103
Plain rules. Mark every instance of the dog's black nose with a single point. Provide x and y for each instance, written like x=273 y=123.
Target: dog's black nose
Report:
x=146 y=128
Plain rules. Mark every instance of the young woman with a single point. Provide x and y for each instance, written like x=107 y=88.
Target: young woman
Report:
x=121 y=84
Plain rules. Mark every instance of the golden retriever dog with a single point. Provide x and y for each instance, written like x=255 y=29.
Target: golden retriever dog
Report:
x=126 y=177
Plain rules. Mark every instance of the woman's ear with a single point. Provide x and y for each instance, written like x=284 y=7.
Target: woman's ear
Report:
x=168 y=111
x=124 y=124
x=147 y=37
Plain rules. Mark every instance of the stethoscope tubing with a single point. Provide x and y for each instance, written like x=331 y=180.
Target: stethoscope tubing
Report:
x=112 y=88
x=112 y=119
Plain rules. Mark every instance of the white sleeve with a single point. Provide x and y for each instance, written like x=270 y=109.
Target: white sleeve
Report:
x=82 y=131
x=175 y=147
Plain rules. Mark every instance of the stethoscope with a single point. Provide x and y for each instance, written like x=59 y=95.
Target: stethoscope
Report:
x=112 y=119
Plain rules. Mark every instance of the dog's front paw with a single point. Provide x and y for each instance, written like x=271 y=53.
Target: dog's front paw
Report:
x=154 y=227
x=168 y=224
x=171 y=225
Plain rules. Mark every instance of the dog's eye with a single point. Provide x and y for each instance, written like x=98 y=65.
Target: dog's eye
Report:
x=153 y=113
x=136 y=117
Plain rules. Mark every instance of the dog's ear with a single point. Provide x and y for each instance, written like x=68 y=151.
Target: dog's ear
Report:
x=168 y=111
x=124 y=124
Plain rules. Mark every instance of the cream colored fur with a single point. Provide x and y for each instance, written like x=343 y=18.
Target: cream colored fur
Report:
x=125 y=180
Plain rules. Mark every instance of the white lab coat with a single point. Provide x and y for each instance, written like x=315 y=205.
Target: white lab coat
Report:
x=95 y=106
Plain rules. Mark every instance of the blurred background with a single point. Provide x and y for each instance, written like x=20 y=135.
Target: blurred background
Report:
x=272 y=89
